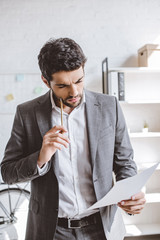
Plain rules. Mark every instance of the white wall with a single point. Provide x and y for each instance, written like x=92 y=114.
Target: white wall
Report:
x=113 y=28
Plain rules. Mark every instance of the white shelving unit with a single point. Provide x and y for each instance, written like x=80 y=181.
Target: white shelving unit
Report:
x=142 y=229
x=144 y=135
x=153 y=197
x=142 y=104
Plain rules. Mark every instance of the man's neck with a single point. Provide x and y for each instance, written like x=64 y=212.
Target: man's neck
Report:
x=67 y=109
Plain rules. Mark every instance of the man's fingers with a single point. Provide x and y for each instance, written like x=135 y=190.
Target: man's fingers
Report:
x=133 y=202
x=134 y=209
x=135 y=199
x=138 y=196
x=57 y=128
x=134 y=212
x=56 y=145
x=58 y=140
x=57 y=136
x=53 y=134
x=63 y=136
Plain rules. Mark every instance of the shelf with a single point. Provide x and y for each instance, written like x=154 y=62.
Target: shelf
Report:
x=135 y=69
x=152 y=197
x=142 y=229
x=143 y=166
x=141 y=101
x=144 y=135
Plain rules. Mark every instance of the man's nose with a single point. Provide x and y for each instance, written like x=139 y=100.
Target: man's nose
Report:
x=73 y=90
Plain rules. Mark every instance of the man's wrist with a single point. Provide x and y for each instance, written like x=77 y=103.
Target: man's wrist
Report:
x=40 y=164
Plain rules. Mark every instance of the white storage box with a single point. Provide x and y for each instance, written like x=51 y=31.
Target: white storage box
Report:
x=149 y=56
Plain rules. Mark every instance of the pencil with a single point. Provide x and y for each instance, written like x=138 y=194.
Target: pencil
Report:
x=61 y=112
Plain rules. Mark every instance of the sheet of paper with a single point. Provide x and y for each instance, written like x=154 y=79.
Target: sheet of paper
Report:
x=122 y=190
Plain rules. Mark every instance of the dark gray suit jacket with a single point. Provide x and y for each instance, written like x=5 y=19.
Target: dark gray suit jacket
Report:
x=110 y=150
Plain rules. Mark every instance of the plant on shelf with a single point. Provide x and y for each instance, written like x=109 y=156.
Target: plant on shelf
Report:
x=145 y=127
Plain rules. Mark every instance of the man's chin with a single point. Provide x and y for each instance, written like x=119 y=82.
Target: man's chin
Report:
x=72 y=105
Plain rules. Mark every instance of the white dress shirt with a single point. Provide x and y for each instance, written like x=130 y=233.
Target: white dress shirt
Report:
x=76 y=192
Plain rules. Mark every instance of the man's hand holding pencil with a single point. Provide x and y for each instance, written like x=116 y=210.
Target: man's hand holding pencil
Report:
x=54 y=139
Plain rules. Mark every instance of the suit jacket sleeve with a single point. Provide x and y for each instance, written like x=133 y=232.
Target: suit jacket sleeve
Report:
x=124 y=166
x=17 y=165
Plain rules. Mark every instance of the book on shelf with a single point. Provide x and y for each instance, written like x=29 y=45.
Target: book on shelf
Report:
x=113 y=84
x=121 y=89
x=116 y=85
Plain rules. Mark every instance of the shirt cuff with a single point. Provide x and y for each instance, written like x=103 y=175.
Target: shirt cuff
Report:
x=43 y=170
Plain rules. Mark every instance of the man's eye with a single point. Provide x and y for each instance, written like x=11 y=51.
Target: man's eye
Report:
x=62 y=86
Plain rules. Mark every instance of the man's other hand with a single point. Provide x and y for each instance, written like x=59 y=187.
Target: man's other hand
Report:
x=133 y=205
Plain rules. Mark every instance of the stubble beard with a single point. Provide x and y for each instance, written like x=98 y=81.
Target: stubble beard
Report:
x=57 y=99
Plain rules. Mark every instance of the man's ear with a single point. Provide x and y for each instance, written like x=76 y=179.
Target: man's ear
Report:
x=45 y=81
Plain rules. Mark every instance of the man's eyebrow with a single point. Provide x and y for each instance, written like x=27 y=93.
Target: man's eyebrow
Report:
x=79 y=79
x=63 y=84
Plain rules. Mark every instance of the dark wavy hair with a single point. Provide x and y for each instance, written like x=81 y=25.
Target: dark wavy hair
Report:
x=62 y=54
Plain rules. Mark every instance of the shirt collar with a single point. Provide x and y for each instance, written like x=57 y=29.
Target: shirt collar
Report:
x=55 y=107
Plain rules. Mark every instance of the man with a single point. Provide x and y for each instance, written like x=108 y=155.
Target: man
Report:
x=70 y=166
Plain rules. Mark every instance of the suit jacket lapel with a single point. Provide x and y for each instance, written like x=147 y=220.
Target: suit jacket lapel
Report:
x=44 y=115
x=93 y=109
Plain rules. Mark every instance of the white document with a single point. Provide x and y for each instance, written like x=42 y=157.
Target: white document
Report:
x=122 y=190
